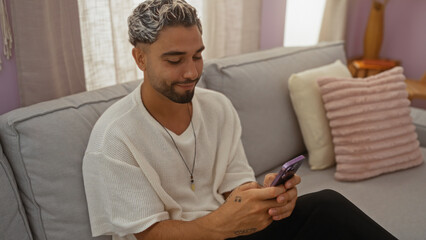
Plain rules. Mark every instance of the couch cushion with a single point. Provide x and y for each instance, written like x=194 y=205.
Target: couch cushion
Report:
x=45 y=144
x=377 y=197
x=13 y=221
x=309 y=108
x=256 y=83
x=371 y=125
x=395 y=201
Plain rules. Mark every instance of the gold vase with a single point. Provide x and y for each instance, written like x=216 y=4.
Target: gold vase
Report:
x=374 y=32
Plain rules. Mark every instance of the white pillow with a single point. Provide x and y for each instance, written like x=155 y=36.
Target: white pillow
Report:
x=309 y=108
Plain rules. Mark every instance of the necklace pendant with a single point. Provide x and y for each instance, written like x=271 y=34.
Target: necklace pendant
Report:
x=192 y=183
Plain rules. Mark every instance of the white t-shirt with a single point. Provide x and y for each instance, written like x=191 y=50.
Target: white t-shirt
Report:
x=134 y=176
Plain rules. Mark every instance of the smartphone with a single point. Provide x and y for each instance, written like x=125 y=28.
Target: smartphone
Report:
x=288 y=170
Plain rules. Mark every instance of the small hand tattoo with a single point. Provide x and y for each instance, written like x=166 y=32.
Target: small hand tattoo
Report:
x=245 y=231
x=238 y=199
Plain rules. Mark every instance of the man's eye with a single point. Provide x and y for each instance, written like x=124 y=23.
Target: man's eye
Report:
x=173 y=61
x=197 y=57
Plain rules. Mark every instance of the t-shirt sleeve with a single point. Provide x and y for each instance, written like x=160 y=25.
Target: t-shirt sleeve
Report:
x=120 y=199
x=238 y=170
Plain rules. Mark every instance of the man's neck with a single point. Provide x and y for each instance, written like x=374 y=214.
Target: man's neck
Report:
x=176 y=117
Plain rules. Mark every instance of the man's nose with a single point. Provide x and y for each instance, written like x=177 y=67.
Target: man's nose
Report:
x=191 y=71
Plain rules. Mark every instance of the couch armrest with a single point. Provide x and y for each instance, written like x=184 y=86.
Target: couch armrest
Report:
x=419 y=120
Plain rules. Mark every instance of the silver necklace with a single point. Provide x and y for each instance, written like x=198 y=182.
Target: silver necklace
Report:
x=191 y=172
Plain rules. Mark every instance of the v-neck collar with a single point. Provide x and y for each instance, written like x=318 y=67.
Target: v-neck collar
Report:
x=188 y=130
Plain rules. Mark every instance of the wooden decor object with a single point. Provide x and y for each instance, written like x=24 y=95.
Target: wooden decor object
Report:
x=367 y=67
x=374 y=32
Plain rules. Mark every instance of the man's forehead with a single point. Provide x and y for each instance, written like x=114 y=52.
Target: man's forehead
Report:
x=177 y=40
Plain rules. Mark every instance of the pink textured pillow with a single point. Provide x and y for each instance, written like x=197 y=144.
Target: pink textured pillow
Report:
x=370 y=124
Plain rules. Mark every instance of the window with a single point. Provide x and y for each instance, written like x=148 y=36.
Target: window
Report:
x=303 y=20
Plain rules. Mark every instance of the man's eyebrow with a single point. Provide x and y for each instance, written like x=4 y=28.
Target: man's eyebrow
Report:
x=172 y=53
x=178 y=53
x=201 y=49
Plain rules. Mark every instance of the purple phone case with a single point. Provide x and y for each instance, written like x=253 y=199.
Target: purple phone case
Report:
x=288 y=170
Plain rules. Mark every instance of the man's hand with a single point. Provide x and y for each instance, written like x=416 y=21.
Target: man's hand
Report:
x=286 y=199
x=246 y=209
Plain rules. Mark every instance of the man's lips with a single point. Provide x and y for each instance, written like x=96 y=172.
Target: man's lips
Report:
x=186 y=85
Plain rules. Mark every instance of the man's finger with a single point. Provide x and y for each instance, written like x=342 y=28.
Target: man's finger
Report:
x=247 y=186
x=269 y=178
x=283 y=210
x=269 y=192
x=292 y=182
x=287 y=196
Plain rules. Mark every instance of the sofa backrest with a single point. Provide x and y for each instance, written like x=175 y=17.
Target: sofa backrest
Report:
x=256 y=84
x=13 y=221
x=45 y=144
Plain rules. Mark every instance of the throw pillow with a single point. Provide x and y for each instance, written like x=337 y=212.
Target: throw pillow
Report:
x=371 y=125
x=307 y=103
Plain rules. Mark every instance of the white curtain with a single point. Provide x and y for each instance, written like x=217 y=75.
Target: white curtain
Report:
x=230 y=27
x=6 y=31
x=334 y=21
x=47 y=44
x=106 y=50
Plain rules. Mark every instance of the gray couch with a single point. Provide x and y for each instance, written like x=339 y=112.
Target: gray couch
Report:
x=42 y=146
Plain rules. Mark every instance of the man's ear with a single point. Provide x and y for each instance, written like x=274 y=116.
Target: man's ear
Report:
x=140 y=57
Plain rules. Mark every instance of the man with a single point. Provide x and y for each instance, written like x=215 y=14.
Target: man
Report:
x=167 y=162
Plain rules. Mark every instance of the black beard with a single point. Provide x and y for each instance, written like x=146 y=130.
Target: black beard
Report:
x=184 y=98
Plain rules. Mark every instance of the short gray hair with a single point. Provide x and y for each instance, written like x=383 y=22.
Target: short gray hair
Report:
x=151 y=16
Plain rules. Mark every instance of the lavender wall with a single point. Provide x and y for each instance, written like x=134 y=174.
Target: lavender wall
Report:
x=272 y=26
x=404 y=35
x=9 y=97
